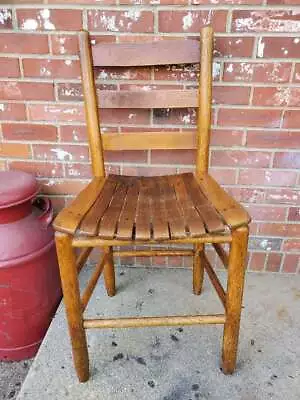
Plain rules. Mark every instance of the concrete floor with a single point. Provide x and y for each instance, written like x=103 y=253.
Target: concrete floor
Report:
x=12 y=375
x=177 y=363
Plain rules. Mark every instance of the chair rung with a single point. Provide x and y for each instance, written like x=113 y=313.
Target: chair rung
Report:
x=154 y=321
x=153 y=253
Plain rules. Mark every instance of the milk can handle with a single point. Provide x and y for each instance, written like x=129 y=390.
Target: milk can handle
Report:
x=44 y=204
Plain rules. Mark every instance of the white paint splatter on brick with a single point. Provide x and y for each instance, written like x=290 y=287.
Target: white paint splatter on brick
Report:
x=45 y=19
x=11 y=89
x=216 y=69
x=68 y=62
x=62 y=155
x=229 y=68
x=260 y=21
x=187 y=21
x=5 y=15
x=260 y=48
x=109 y=23
x=132 y=14
x=2 y=107
x=45 y=72
x=296 y=40
x=30 y=24
x=103 y=75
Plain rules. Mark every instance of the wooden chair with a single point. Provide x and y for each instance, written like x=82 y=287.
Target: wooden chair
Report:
x=124 y=211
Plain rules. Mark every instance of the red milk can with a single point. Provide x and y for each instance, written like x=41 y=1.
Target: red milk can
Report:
x=29 y=277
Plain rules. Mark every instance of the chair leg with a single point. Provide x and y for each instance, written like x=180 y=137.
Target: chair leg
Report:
x=70 y=286
x=109 y=272
x=234 y=296
x=198 y=268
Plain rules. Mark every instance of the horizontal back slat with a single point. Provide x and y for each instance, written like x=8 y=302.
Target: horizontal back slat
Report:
x=177 y=51
x=148 y=99
x=149 y=141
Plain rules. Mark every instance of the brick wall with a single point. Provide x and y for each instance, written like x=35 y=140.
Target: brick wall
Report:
x=256 y=118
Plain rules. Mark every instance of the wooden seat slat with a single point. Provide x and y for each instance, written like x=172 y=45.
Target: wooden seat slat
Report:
x=212 y=220
x=109 y=221
x=89 y=224
x=127 y=216
x=193 y=221
x=143 y=212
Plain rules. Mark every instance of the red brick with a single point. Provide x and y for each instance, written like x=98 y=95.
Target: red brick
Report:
x=257 y=261
x=178 y=116
x=22 y=43
x=56 y=112
x=294 y=214
x=129 y=156
x=180 y=72
x=73 y=91
x=73 y=133
x=64 y=44
x=121 y=21
x=49 y=68
x=230 y=158
x=249 y=117
x=263 y=213
x=296 y=77
x=26 y=91
x=148 y=171
x=49 y=19
x=247 y=195
x=138 y=73
x=281 y=139
x=291 y=119
x=80 y=2
x=9 y=67
x=231 y=95
x=173 y=157
x=28 y=131
x=273 y=262
x=14 y=150
x=232 y=46
x=12 y=111
x=75 y=170
x=290 y=262
x=292 y=245
x=283 y=196
x=226 y=137
x=60 y=152
x=39 y=169
x=191 y=21
x=62 y=186
x=152 y=2
x=278 y=47
x=265 y=21
x=280 y=229
x=267 y=177
x=286 y=2
x=5 y=18
x=287 y=160
x=257 y=72
x=215 y=2
x=224 y=176
x=276 y=96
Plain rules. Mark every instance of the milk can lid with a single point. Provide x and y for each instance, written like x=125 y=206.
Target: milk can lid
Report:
x=16 y=187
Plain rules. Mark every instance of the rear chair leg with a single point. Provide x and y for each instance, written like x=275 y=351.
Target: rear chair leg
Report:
x=234 y=296
x=198 y=268
x=109 y=272
x=70 y=286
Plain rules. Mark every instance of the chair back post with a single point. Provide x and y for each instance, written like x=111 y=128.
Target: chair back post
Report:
x=205 y=98
x=90 y=104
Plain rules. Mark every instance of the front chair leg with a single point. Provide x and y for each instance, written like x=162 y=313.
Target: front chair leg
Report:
x=70 y=286
x=234 y=296
x=198 y=268
x=109 y=272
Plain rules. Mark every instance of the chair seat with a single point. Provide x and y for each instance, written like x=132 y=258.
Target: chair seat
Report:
x=142 y=208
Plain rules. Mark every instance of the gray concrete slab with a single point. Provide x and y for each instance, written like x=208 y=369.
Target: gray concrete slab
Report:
x=177 y=363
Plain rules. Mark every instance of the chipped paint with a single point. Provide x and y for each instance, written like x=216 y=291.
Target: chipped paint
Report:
x=109 y=23
x=62 y=155
x=260 y=21
x=30 y=24
x=5 y=15
x=44 y=18
x=260 y=48
x=187 y=21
